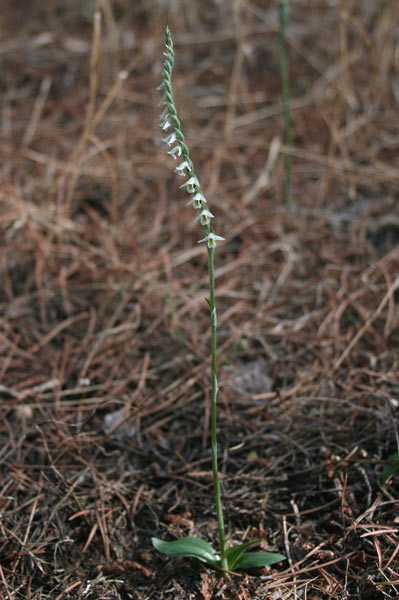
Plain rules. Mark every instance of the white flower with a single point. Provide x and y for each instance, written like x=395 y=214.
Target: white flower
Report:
x=181 y=168
x=204 y=217
x=164 y=114
x=198 y=200
x=166 y=124
x=211 y=239
x=175 y=151
x=192 y=184
x=170 y=139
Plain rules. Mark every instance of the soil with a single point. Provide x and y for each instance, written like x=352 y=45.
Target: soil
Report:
x=104 y=331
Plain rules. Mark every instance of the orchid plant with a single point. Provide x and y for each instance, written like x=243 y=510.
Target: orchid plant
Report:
x=236 y=557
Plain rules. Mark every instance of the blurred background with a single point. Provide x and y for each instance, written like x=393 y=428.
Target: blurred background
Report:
x=88 y=193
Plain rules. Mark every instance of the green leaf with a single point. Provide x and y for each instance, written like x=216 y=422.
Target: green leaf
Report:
x=188 y=547
x=234 y=554
x=392 y=465
x=258 y=559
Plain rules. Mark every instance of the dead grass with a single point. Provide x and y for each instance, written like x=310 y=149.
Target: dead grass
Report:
x=104 y=332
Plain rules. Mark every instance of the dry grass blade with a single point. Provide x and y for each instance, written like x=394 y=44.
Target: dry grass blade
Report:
x=367 y=324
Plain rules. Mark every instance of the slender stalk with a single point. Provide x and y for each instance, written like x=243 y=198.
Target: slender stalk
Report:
x=285 y=81
x=216 y=481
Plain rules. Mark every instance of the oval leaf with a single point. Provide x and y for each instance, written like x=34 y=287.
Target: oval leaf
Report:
x=188 y=547
x=258 y=559
x=234 y=554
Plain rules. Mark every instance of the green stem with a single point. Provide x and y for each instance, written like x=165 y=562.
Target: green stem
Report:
x=216 y=481
x=283 y=13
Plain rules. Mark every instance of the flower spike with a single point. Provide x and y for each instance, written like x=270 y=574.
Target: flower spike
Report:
x=177 y=147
